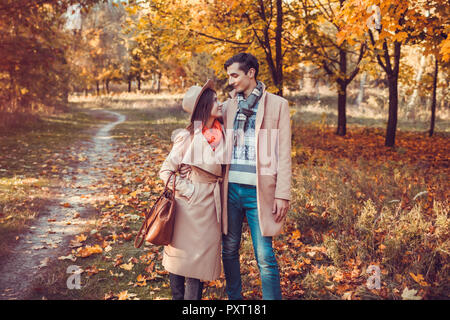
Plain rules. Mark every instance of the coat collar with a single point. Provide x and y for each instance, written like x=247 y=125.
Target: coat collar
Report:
x=232 y=109
x=201 y=155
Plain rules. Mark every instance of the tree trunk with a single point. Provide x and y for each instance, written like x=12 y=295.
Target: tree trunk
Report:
x=433 y=102
x=278 y=48
x=158 y=82
x=107 y=86
x=342 y=101
x=129 y=85
x=139 y=83
x=393 y=111
x=98 y=87
x=393 y=95
x=342 y=94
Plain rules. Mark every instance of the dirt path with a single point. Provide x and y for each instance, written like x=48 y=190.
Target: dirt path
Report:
x=67 y=216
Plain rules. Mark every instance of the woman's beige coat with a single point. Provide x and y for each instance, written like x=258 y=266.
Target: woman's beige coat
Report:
x=195 y=250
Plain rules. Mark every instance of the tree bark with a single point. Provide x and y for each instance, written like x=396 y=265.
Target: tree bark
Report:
x=393 y=111
x=433 y=102
x=342 y=94
x=158 y=82
x=393 y=94
x=342 y=102
x=278 y=47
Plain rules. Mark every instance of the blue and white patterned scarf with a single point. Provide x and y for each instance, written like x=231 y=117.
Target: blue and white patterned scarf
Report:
x=245 y=110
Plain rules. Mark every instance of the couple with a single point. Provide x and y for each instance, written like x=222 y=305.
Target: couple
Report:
x=213 y=198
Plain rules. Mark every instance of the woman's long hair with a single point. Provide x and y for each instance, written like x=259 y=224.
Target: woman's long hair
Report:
x=203 y=110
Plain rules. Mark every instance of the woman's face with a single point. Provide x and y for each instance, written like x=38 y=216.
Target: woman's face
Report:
x=216 y=111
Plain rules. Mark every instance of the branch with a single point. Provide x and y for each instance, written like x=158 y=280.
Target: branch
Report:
x=387 y=59
x=327 y=69
x=219 y=39
x=380 y=62
x=256 y=33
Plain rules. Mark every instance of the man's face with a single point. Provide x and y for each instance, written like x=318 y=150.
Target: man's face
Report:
x=238 y=79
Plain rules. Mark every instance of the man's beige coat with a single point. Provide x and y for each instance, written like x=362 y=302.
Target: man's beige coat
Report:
x=273 y=158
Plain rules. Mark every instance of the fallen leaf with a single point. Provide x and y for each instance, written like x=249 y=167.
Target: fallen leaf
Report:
x=87 y=251
x=127 y=266
x=44 y=262
x=410 y=294
x=69 y=257
x=123 y=295
x=347 y=295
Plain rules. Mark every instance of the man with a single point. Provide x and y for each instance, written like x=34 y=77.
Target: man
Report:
x=257 y=180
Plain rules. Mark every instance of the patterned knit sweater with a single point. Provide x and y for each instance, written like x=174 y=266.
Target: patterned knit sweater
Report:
x=243 y=160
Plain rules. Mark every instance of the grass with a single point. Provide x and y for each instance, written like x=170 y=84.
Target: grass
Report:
x=34 y=156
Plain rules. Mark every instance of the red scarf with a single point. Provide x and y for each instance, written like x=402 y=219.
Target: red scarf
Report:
x=214 y=134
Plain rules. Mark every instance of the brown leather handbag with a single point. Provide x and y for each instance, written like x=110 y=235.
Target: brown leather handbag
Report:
x=159 y=220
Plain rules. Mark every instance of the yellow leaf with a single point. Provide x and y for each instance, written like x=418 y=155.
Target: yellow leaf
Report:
x=87 y=251
x=419 y=279
x=127 y=266
x=123 y=295
x=238 y=34
x=81 y=238
x=296 y=235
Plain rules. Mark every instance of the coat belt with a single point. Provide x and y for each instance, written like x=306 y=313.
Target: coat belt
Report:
x=202 y=176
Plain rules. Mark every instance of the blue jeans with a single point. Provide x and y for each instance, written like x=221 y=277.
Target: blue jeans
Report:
x=242 y=200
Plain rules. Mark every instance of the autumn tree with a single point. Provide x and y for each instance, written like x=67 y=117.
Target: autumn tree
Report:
x=157 y=47
x=34 y=72
x=432 y=38
x=319 y=44
x=223 y=28
x=400 y=23
x=106 y=51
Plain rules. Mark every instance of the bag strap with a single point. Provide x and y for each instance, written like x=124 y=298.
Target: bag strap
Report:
x=140 y=237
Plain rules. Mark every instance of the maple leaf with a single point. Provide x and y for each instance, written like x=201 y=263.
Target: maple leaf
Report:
x=141 y=281
x=88 y=251
x=347 y=295
x=296 y=235
x=408 y=294
x=419 y=279
x=127 y=266
x=123 y=295
x=81 y=238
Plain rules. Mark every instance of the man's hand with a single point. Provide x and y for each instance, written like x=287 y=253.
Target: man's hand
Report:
x=280 y=209
x=185 y=169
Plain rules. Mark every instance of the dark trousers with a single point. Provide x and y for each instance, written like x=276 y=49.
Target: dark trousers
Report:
x=192 y=290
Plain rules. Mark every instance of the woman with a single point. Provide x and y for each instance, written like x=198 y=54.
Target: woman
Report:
x=194 y=253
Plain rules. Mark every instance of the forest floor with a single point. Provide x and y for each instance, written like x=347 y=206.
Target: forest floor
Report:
x=74 y=189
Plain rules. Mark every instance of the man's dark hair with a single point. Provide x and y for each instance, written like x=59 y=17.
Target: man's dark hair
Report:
x=245 y=60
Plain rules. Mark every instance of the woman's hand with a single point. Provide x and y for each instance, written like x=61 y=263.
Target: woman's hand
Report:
x=185 y=170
